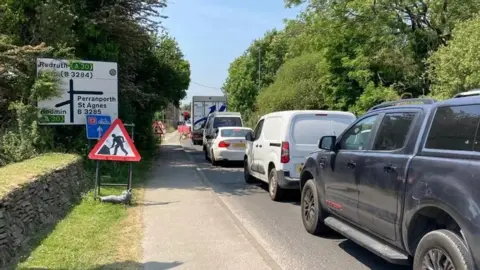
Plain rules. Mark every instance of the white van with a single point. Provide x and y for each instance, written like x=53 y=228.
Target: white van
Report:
x=277 y=148
x=220 y=119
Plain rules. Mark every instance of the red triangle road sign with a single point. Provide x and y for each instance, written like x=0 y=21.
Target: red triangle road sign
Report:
x=115 y=145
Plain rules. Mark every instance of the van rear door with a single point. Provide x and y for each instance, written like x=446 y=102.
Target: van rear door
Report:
x=306 y=131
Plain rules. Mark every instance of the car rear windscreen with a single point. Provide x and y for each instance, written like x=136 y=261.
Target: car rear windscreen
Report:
x=226 y=121
x=234 y=132
x=309 y=129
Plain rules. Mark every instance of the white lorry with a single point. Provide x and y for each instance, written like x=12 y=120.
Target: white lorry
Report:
x=202 y=106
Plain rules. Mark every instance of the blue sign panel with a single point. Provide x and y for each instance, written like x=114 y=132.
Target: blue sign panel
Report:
x=97 y=125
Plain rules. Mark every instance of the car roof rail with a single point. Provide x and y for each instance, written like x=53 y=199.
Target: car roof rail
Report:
x=407 y=101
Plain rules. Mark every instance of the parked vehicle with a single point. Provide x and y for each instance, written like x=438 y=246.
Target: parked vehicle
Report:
x=227 y=144
x=201 y=107
x=474 y=92
x=276 y=150
x=197 y=135
x=402 y=181
x=216 y=120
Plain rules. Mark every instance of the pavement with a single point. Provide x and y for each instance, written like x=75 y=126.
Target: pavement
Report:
x=219 y=222
x=185 y=224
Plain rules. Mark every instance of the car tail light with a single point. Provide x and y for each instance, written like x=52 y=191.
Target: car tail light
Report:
x=223 y=144
x=321 y=114
x=285 y=153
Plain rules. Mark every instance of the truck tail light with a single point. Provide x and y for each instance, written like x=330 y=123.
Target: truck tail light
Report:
x=285 y=153
x=223 y=144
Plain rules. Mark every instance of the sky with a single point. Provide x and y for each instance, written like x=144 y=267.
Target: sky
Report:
x=212 y=33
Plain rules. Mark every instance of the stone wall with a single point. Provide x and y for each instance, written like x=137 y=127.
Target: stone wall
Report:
x=30 y=211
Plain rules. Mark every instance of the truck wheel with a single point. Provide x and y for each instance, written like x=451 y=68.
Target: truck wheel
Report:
x=275 y=191
x=249 y=179
x=442 y=249
x=313 y=214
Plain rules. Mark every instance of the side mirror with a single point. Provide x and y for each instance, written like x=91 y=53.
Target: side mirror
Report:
x=327 y=143
x=249 y=136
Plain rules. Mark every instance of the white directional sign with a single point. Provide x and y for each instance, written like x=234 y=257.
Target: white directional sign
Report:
x=86 y=88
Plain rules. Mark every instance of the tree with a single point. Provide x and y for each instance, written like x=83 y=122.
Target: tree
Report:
x=455 y=68
x=153 y=71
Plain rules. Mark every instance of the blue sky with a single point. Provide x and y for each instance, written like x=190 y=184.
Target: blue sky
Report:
x=212 y=33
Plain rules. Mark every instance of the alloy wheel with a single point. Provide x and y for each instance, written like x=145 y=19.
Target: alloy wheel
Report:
x=436 y=259
x=272 y=187
x=309 y=211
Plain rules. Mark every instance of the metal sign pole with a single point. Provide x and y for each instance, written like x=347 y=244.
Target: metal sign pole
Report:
x=97 y=180
x=130 y=166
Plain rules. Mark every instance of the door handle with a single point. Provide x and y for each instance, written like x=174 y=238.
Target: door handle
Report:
x=351 y=164
x=390 y=168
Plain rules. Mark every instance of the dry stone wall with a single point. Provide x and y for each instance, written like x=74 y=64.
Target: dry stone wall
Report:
x=31 y=210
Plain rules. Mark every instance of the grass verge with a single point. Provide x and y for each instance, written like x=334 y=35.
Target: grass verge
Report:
x=20 y=173
x=96 y=235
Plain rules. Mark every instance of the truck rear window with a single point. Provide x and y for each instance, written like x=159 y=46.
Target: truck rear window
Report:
x=454 y=128
x=234 y=132
x=226 y=121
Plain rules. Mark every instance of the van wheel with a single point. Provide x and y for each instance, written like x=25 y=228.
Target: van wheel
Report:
x=312 y=213
x=442 y=249
x=275 y=191
x=249 y=179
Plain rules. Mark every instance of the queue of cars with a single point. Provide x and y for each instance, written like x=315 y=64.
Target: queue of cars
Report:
x=401 y=180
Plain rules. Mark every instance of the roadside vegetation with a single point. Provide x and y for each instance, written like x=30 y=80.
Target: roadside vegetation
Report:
x=153 y=73
x=351 y=55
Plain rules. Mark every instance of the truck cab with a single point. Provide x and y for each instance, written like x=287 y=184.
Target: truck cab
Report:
x=402 y=182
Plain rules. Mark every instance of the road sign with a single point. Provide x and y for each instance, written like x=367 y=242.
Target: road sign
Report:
x=97 y=125
x=115 y=145
x=86 y=87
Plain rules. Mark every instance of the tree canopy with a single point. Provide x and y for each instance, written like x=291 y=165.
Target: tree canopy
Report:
x=351 y=55
x=153 y=71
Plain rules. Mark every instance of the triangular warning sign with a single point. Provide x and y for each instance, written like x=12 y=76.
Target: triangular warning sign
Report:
x=115 y=145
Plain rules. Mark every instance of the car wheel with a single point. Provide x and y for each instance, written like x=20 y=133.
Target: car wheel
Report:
x=212 y=159
x=249 y=179
x=207 y=158
x=313 y=214
x=275 y=191
x=442 y=249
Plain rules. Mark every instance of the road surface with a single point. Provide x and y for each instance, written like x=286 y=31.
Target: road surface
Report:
x=277 y=226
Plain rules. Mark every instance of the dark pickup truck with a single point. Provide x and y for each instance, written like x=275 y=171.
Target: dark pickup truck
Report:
x=402 y=181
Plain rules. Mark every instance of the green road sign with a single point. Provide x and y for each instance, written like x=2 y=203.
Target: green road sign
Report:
x=81 y=66
x=52 y=118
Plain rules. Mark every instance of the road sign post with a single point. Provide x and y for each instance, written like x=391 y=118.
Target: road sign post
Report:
x=117 y=138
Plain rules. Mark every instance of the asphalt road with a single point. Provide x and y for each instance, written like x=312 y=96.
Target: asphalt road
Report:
x=277 y=226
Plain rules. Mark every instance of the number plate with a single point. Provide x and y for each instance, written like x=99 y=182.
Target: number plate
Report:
x=238 y=145
x=299 y=167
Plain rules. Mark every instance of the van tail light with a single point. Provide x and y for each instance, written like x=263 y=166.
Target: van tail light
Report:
x=285 y=153
x=223 y=144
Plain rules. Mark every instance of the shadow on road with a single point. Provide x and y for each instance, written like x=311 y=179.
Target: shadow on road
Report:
x=369 y=259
